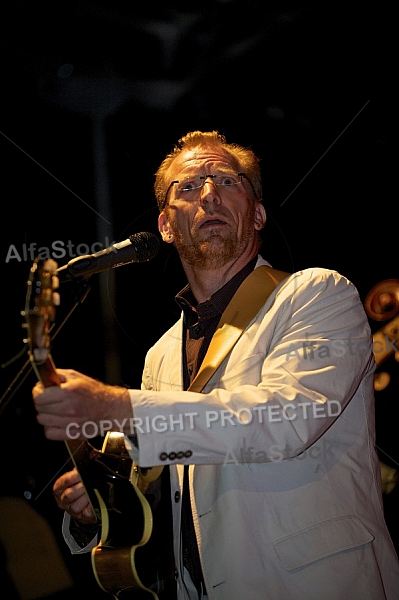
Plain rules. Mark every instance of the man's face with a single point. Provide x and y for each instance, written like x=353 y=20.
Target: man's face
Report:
x=212 y=224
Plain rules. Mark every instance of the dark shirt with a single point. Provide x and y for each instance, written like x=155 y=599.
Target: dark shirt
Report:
x=200 y=323
x=201 y=320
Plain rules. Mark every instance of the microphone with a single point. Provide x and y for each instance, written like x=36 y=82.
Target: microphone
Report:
x=138 y=248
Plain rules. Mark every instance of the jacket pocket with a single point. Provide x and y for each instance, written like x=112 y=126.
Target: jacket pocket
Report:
x=321 y=540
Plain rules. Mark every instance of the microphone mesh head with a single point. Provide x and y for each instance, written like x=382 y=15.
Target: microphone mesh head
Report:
x=146 y=245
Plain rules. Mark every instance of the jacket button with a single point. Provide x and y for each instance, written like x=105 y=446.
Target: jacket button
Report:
x=172 y=455
x=163 y=456
x=188 y=454
x=177 y=496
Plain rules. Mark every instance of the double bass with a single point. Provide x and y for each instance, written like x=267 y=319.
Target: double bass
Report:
x=382 y=304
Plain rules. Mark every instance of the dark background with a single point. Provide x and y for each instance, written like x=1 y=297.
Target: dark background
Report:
x=94 y=94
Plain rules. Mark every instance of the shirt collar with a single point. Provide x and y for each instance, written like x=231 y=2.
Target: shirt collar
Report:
x=220 y=299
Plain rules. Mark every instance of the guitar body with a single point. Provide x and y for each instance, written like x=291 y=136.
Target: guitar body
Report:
x=115 y=486
x=111 y=481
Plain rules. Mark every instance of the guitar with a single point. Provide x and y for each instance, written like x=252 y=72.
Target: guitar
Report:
x=114 y=485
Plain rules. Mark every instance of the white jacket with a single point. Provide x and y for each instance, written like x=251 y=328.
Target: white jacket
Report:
x=284 y=477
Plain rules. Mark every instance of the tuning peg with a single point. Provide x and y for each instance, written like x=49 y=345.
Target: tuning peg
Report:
x=382 y=302
x=56 y=299
x=381 y=381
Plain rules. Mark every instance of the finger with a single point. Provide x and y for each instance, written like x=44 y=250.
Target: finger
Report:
x=37 y=389
x=73 y=503
x=73 y=493
x=66 y=480
x=62 y=376
x=50 y=395
x=79 y=509
x=88 y=515
x=59 y=434
x=68 y=492
x=52 y=419
x=73 y=499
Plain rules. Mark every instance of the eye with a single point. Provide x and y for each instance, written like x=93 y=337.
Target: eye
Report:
x=187 y=186
x=227 y=180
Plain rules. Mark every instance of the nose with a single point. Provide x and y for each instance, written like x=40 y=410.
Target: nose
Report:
x=209 y=192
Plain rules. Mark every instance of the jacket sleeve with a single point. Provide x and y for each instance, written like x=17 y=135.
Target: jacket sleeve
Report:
x=295 y=368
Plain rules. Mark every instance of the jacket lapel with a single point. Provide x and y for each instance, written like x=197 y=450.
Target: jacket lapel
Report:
x=243 y=307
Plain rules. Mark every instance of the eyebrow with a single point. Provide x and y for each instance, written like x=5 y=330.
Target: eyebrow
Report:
x=222 y=170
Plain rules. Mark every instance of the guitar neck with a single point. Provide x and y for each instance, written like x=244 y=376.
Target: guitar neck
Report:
x=107 y=475
x=46 y=372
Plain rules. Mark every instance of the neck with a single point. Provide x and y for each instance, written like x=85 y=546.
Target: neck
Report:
x=205 y=282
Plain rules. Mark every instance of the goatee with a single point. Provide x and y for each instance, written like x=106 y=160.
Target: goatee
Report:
x=211 y=253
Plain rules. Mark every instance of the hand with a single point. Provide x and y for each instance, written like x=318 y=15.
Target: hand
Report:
x=64 y=410
x=71 y=496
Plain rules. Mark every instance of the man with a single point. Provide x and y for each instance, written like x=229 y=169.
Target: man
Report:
x=274 y=480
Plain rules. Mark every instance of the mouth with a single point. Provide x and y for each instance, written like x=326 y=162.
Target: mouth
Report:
x=211 y=223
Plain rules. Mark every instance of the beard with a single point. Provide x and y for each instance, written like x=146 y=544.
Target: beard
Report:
x=216 y=247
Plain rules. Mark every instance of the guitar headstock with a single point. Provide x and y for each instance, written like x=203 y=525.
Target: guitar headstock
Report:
x=40 y=305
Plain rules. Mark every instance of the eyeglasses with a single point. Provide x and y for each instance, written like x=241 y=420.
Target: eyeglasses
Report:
x=226 y=181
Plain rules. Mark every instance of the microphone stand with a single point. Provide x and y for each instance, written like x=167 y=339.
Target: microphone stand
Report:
x=80 y=293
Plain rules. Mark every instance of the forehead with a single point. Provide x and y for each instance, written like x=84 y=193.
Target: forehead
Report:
x=204 y=160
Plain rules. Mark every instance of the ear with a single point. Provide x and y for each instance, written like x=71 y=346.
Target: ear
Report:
x=165 y=228
x=260 y=216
